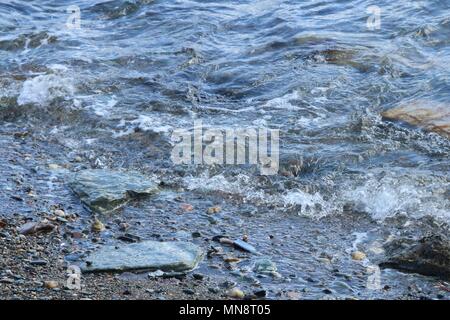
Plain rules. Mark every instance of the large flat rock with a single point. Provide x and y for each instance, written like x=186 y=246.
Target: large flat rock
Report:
x=173 y=256
x=104 y=191
x=429 y=115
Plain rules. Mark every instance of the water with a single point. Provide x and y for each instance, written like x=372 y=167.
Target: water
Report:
x=115 y=89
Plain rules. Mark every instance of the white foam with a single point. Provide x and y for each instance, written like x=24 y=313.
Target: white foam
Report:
x=144 y=123
x=44 y=89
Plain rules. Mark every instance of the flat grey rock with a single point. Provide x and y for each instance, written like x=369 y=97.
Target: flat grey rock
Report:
x=104 y=191
x=173 y=256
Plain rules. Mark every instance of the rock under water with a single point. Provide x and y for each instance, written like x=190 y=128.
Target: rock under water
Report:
x=104 y=191
x=173 y=256
x=431 y=116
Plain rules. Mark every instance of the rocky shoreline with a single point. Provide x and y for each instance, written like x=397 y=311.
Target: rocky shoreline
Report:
x=136 y=234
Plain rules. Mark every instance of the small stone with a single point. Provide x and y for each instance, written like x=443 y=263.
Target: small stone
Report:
x=198 y=276
x=358 y=255
x=123 y=226
x=128 y=237
x=38 y=262
x=265 y=266
x=236 y=293
x=213 y=210
x=54 y=166
x=244 y=246
x=59 y=213
x=196 y=234
x=186 y=207
x=36 y=227
x=189 y=291
x=51 y=284
x=6 y=280
x=231 y=259
x=77 y=235
x=3 y=223
x=226 y=241
x=327 y=291
x=98 y=226
x=293 y=295
x=260 y=293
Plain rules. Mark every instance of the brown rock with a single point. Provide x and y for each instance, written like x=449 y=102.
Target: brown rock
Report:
x=358 y=255
x=429 y=115
x=213 y=210
x=98 y=226
x=50 y=284
x=187 y=207
x=36 y=227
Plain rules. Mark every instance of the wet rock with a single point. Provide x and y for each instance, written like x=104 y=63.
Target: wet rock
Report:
x=358 y=255
x=198 y=276
x=51 y=284
x=236 y=293
x=128 y=237
x=186 y=207
x=265 y=266
x=39 y=262
x=2 y=223
x=428 y=256
x=97 y=226
x=104 y=191
x=429 y=115
x=293 y=295
x=260 y=293
x=36 y=227
x=189 y=291
x=213 y=210
x=59 y=213
x=242 y=245
x=175 y=256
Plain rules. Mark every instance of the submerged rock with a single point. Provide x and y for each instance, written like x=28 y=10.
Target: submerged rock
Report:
x=358 y=255
x=265 y=266
x=174 y=256
x=431 y=116
x=428 y=256
x=104 y=191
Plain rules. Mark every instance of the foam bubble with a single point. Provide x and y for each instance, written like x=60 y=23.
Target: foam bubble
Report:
x=44 y=89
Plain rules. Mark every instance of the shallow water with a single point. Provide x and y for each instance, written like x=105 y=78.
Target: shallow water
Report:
x=115 y=89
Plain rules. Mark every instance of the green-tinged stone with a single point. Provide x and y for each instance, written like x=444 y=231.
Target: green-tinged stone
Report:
x=104 y=191
x=173 y=256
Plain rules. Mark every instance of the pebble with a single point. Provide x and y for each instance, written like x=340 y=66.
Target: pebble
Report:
x=35 y=227
x=59 y=213
x=244 y=246
x=260 y=293
x=236 y=293
x=213 y=210
x=231 y=259
x=358 y=255
x=198 y=276
x=123 y=226
x=98 y=226
x=187 y=207
x=189 y=291
x=51 y=284
x=38 y=262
